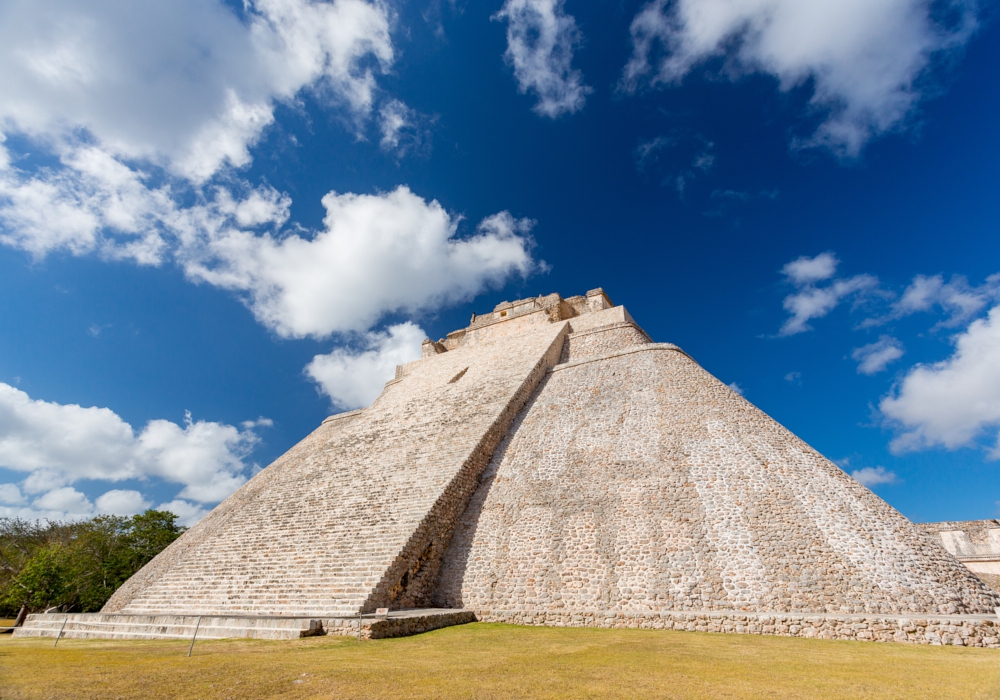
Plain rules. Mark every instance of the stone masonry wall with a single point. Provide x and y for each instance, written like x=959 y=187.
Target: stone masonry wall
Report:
x=599 y=341
x=358 y=513
x=637 y=483
x=955 y=630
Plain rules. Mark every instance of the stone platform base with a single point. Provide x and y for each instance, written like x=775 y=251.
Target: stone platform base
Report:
x=957 y=630
x=399 y=623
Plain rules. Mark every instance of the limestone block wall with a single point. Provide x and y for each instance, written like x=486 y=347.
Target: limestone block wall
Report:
x=359 y=513
x=635 y=482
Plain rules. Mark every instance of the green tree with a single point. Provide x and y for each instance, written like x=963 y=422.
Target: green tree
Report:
x=42 y=582
x=78 y=565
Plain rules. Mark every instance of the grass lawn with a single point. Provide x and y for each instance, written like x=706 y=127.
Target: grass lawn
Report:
x=498 y=661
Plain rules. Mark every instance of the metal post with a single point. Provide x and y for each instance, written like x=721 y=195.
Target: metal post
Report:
x=65 y=619
x=195 y=635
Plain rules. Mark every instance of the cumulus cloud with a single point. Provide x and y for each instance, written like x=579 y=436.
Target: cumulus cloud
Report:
x=10 y=495
x=121 y=502
x=864 y=59
x=187 y=513
x=355 y=379
x=811 y=301
x=870 y=476
x=188 y=85
x=140 y=109
x=541 y=39
x=56 y=445
x=875 y=357
x=139 y=105
x=67 y=500
x=377 y=254
x=737 y=388
x=954 y=402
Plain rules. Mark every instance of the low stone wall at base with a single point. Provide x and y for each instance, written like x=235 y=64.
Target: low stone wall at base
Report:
x=398 y=624
x=118 y=626
x=957 y=630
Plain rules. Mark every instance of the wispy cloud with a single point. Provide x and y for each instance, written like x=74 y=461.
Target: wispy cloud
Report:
x=683 y=157
x=875 y=357
x=541 y=39
x=812 y=300
x=404 y=130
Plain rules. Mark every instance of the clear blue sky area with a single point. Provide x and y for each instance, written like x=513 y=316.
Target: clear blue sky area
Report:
x=688 y=199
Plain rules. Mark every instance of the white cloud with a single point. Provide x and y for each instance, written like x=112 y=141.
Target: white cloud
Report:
x=138 y=107
x=355 y=379
x=737 y=388
x=59 y=444
x=66 y=499
x=541 y=38
x=793 y=377
x=121 y=502
x=875 y=357
x=187 y=513
x=403 y=129
x=953 y=402
x=956 y=297
x=873 y=476
x=806 y=270
x=864 y=58
x=392 y=252
x=188 y=84
x=10 y=495
x=811 y=301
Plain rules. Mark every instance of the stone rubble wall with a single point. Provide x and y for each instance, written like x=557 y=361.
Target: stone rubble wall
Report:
x=360 y=511
x=636 y=482
x=971 y=631
x=396 y=626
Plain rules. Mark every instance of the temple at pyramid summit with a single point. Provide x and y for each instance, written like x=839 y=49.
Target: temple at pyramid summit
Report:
x=551 y=464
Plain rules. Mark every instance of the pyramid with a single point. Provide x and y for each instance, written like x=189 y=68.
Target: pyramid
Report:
x=550 y=463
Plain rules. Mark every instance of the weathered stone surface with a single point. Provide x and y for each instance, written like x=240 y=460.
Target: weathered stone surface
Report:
x=359 y=513
x=636 y=481
x=549 y=464
x=975 y=543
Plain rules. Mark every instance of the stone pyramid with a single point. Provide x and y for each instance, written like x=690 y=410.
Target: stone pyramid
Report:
x=551 y=460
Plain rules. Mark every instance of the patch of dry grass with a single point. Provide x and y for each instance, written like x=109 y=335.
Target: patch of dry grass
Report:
x=498 y=661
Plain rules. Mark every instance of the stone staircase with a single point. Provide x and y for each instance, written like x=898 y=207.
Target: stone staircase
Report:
x=357 y=516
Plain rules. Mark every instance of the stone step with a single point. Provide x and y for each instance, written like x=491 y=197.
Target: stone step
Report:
x=184 y=627
x=102 y=626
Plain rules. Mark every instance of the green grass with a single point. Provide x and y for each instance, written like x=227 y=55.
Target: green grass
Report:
x=498 y=661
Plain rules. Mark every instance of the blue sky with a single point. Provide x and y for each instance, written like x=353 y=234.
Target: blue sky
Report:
x=221 y=222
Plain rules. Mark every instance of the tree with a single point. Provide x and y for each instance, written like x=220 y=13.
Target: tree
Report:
x=77 y=565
